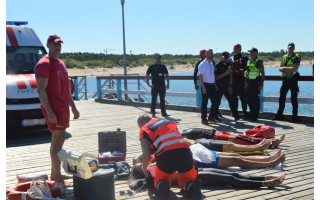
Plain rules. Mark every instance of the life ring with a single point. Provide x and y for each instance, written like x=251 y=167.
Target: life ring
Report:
x=19 y=191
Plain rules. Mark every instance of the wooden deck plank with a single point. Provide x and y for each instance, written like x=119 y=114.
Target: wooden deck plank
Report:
x=33 y=155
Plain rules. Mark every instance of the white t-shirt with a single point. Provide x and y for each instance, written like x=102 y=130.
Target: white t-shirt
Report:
x=202 y=154
x=206 y=69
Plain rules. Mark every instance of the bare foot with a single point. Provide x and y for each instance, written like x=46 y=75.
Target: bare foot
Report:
x=275 y=182
x=271 y=177
x=278 y=140
x=275 y=156
x=264 y=144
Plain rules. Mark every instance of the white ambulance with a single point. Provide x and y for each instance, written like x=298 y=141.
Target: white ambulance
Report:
x=24 y=49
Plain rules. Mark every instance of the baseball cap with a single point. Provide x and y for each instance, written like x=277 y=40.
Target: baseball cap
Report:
x=237 y=46
x=253 y=49
x=54 y=38
x=291 y=45
x=203 y=52
x=225 y=54
x=156 y=55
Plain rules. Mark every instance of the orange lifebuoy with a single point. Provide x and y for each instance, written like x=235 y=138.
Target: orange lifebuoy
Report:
x=19 y=191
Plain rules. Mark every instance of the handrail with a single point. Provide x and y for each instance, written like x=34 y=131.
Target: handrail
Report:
x=79 y=86
x=267 y=78
x=197 y=94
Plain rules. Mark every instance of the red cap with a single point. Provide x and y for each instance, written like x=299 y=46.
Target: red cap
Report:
x=54 y=38
x=203 y=52
x=237 y=46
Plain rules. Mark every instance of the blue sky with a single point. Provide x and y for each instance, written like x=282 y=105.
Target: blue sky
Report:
x=170 y=26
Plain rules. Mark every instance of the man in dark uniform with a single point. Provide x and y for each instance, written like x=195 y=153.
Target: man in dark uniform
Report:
x=196 y=69
x=223 y=76
x=289 y=68
x=158 y=73
x=239 y=64
x=254 y=82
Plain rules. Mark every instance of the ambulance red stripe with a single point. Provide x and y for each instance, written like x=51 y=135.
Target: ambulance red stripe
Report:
x=11 y=36
x=20 y=83
x=31 y=80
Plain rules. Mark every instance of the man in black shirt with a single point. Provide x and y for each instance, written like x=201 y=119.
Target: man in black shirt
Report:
x=239 y=64
x=195 y=73
x=158 y=71
x=223 y=75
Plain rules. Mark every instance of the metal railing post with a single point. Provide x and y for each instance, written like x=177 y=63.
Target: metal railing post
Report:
x=85 y=88
x=198 y=95
x=76 y=90
x=99 y=89
x=261 y=100
x=139 y=96
x=119 y=92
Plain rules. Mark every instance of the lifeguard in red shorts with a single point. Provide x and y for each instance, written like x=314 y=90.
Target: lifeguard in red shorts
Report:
x=54 y=94
x=161 y=137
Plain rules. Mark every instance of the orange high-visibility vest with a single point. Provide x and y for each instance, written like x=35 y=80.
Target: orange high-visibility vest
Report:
x=164 y=135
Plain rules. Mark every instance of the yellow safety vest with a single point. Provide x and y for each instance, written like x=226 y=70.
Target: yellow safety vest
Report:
x=252 y=71
x=289 y=64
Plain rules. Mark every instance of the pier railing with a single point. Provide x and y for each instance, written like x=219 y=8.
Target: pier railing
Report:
x=80 y=87
x=115 y=90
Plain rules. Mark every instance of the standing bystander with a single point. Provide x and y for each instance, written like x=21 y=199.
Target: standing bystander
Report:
x=239 y=64
x=290 y=75
x=158 y=73
x=223 y=76
x=209 y=90
x=54 y=94
x=254 y=83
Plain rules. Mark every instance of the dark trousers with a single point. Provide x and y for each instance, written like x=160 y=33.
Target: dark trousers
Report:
x=212 y=95
x=292 y=85
x=252 y=93
x=175 y=160
x=223 y=90
x=218 y=177
x=238 y=90
x=162 y=94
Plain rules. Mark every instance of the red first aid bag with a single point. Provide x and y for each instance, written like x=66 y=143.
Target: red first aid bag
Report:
x=261 y=132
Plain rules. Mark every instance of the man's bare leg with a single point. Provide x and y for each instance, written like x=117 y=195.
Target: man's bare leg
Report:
x=273 y=157
x=229 y=161
x=230 y=146
x=58 y=137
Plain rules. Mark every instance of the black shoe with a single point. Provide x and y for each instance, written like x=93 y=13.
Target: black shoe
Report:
x=153 y=115
x=246 y=115
x=205 y=122
x=254 y=119
x=165 y=115
x=194 y=189
x=162 y=188
x=295 y=119
x=237 y=118
x=278 y=117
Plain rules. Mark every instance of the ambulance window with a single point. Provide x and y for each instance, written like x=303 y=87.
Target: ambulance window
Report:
x=22 y=60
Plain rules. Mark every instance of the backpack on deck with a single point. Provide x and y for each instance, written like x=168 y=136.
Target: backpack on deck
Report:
x=261 y=132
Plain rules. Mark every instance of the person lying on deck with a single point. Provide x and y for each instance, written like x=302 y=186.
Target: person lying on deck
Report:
x=250 y=137
x=215 y=177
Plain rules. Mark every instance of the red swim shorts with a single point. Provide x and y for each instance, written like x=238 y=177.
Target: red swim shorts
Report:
x=63 y=118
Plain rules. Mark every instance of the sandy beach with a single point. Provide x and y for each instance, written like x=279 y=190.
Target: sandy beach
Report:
x=142 y=69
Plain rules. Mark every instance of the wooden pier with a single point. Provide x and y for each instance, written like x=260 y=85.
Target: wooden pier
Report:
x=30 y=153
